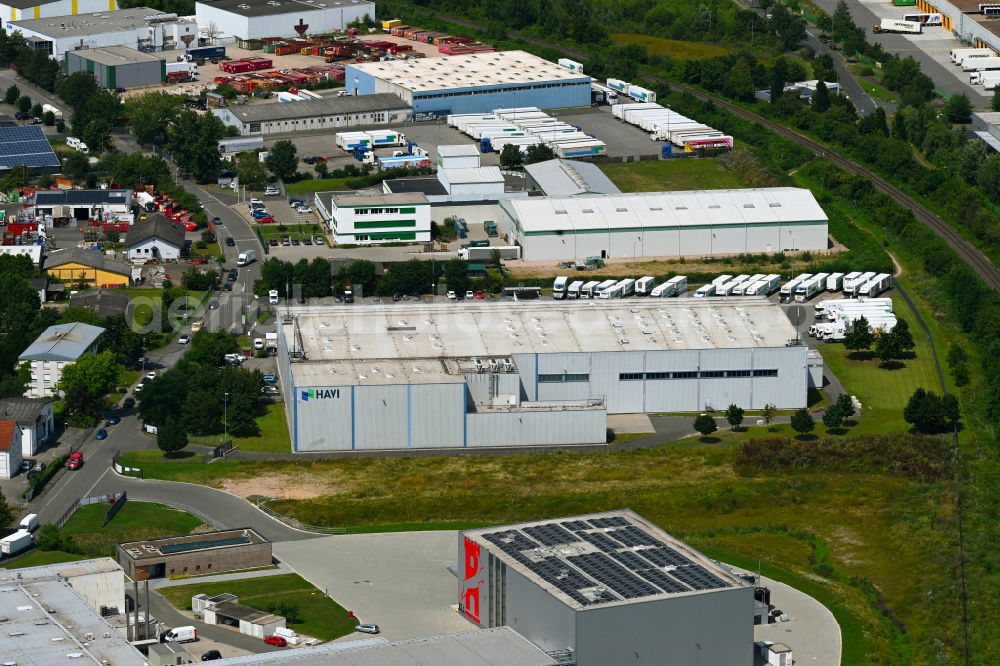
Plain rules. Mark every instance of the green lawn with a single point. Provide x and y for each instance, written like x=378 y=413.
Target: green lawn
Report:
x=316 y=185
x=136 y=520
x=41 y=557
x=126 y=378
x=269 y=231
x=273 y=432
x=678 y=174
x=212 y=250
x=674 y=48
x=883 y=393
x=322 y=617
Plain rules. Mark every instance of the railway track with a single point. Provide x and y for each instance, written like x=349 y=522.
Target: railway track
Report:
x=969 y=253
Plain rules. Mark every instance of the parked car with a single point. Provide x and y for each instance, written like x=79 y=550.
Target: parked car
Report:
x=151 y=374
x=211 y=655
x=267 y=219
x=269 y=390
x=452 y=295
x=129 y=403
x=279 y=641
x=35 y=121
x=319 y=240
x=307 y=241
x=259 y=213
x=286 y=241
x=271 y=191
x=257 y=201
x=270 y=379
x=470 y=295
x=230 y=242
x=227 y=287
x=137 y=388
x=75 y=461
x=480 y=295
x=295 y=241
x=184 y=339
x=113 y=420
x=304 y=209
x=27 y=464
x=39 y=466
x=21 y=115
x=292 y=201
x=273 y=242
x=101 y=434
x=367 y=628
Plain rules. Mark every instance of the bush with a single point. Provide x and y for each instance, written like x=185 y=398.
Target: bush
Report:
x=38 y=482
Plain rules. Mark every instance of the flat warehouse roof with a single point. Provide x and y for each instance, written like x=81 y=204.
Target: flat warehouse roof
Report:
x=468 y=71
x=244 y=8
x=486 y=174
x=602 y=559
x=328 y=106
x=147 y=548
x=432 y=342
x=95 y=23
x=115 y=55
x=664 y=209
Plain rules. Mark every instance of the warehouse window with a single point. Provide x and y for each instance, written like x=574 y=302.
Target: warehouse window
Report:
x=657 y=375
x=765 y=373
x=738 y=373
x=712 y=374
x=565 y=377
x=684 y=374
x=630 y=376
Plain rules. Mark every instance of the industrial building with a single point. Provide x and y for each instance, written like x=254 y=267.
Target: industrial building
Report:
x=482 y=181
x=117 y=67
x=665 y=224
x=194 y=554
x=138 y=28
x=376 y=218
x=82 y=266
x=475 y=83
x=280 y=18
x=55 y=206
x=56 y=613
x=53 y=350
x=461 y=156
x=433 y=375
x=225 y=609
x=312 y=115
x=606 y=588
x=157 y=238
x=14 y=10
x=566 y=178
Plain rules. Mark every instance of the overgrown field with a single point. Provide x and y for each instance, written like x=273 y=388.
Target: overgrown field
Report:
x=672 y=48
x=671 y=175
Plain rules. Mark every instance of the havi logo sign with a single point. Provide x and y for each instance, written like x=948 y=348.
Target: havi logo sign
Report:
x=319 y=394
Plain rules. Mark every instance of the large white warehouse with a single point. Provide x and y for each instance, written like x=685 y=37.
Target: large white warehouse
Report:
x=665 y=224
x=16 y=10
x=278 y=18
x=479 y=374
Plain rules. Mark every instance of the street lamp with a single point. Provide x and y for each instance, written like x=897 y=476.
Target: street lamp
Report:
x=225 y=416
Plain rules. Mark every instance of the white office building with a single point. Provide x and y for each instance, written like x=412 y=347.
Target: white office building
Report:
x=385 y=218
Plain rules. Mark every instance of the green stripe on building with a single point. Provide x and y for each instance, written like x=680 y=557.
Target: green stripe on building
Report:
x=385 y=224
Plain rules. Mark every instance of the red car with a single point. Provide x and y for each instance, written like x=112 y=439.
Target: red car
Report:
x=75 y=461
x=267 y=219
x=276 y=640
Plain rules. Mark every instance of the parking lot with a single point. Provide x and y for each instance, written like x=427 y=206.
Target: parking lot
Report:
x=623 y=140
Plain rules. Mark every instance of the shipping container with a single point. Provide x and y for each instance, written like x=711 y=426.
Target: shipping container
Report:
x=206 y=52
x=644 y=285
x=974 y=64
x=640 y=94
x=892 y=25
x=619 y=85
x=958 y=54
x=571 y=65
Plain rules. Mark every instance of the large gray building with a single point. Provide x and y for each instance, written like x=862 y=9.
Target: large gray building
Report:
x=608 y=588
x=117 y=67
x=480 y=374
x=329 y=113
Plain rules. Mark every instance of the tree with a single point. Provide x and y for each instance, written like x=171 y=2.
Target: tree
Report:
x=841 y=22
x=901 y=333
x=846 y=405
x=11 y=95
x=930 y=413
x=85 y=383
x=734 y=414
x=283 y=159
x=193 y=141
x=250 y=171
x=886 y=347
x=858 y=335
x=456 y=274
x=36 y=110
x=48 y=119
x=802 y=421
x=361 y=273
x=77 y=89
x=510 y=157
x=49 y=538
x=151 y=115
x=705 y=424
x=6 y=513
x=496 y=259
x=23 y=104
x=539 y=152
x=769 y=413
x=171 y=436
x=995 y=100
x=958 y=109
x=821 y=99
x=833 y=417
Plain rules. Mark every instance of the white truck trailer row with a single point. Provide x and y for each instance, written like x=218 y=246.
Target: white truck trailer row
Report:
x=989 y=64
x=957 y=55
x=663 y=124
x=562 y=288
x=524 y=127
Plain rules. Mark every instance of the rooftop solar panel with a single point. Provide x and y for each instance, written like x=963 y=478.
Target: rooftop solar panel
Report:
x=631 y=560
x=698 y=577
x=613 y=521
x=601 y=540
x=550 y=534
x=605 y=571
x=25 y=146
x=172 y=548
x=663 y=581
x=664 y=557
x=633 y=536
x=575 y=525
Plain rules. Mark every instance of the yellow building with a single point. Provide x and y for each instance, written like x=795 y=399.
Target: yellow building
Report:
x=19 y=10
x=76 y=265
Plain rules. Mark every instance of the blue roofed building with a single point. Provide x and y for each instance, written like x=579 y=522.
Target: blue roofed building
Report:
x=474 y=83
x=57 y=347
x=26 y=147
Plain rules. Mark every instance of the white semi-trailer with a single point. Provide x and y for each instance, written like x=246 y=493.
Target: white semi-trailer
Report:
x=957 y=54
x=675 y=286
x=574 y=289
x=875 y=286
x=705 y=291
x=740 y=289
x=988 y=80
x=644 y=285
x=851 y=283
x=981 y=64
x=835 y=281
x=788 y=289
x=809 y=288
x=587 y=290
x=559 y=287
x=893 y=25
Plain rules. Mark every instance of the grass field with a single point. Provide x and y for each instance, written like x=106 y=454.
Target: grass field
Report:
x=273 y=436
x=294 y=230
x=316 y=185
x=673 y=48
x=680 y=174
x=136 y=520
x=126 y=378
x=322 y=617
x=42 y=557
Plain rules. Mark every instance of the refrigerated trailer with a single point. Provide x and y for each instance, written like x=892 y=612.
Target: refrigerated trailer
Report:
x=619 y=85
x=835 y=281
x=958 y=54
x=833 y=304
x=765 y=286
x=988 y=80
x=850 y=283
x=722 y=279
x=809 y=288
x=587 y=290
x=559 y=287
x=675 y=286
x=621 y=289
x=644 y=285
x=981 y=64
x=573 y=291
x=741 y=288
x=904 y=27
x=599 y=289
x=705 y=291
x=924 y=18
x=726 y=288
x=875 y=286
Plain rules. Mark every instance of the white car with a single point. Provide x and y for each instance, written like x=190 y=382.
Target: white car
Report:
x=452 y=296
x=470 y=296
x=256 y=201
x=151 y=374
x=272 y=297
x=367 y=628
x=271 y=191
x=184 y=339
x=303 y=209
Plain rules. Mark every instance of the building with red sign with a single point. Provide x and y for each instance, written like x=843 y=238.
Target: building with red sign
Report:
x=607 y=588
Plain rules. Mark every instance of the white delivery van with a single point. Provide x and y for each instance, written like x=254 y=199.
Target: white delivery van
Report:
x=272 y=297
x=29 y=523
x=185 y=634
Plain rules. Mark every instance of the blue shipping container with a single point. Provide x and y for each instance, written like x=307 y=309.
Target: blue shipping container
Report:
x=207 y=52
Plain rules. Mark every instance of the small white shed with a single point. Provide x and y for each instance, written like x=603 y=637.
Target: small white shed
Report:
x=464 y=156
x=481 y=180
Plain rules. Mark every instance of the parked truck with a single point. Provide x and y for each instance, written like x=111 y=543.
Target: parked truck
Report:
x=644 y=285
x=619 y=85
x=481 y=253
x=573 y=291
x=386 y=138
x=809 y=288
x=852 y=282
x=412 y=161
x=15 y=543
x=184 y=67
x=350 y=141
x=571 y=65
x=788 y=289
x=875 y=286
x=209 y=52
x=904 y=27
x=958 y=54
x=988 y=80
x=559 y=287
x=641 y=94
x=740 y=289
x=981 y=64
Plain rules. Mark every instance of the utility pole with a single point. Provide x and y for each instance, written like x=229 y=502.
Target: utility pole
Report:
x=225 y=416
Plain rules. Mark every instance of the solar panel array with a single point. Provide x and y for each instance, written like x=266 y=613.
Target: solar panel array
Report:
x=172 y=548
x=25 y=146
x=629 y=563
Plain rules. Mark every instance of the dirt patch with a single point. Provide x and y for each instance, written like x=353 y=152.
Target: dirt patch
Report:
x=279 y=487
